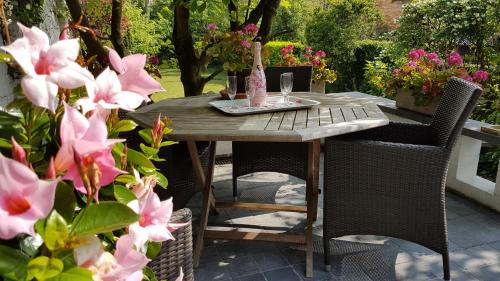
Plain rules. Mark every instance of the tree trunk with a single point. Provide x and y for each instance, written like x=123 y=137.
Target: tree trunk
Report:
x=94 y=46
x=116 y=32
x=189 y=64
x=267 y=20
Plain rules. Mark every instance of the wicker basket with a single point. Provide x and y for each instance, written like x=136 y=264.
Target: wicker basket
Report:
x=177 y=253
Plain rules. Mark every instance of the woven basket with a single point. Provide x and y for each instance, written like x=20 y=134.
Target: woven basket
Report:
x=177 y=253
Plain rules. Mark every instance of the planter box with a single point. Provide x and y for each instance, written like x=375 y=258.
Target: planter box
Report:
x=318 y=86
x=406 y=100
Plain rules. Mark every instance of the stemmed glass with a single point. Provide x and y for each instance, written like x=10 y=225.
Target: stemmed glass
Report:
x=232 y=85
x=249 y=92
x=286 y=85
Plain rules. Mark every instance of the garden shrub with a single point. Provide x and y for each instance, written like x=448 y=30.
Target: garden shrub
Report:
x=366 y=50
x=336 y=31
x=274 y=50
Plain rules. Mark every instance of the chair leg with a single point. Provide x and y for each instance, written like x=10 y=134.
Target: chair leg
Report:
x=326 y=253
x=235 y=188
x=446 y=266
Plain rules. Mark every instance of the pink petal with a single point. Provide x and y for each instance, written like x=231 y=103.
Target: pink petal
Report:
x=136 y=276
x=73 y=124
x=140 y=83
x=164 y=212
x=12 y=226
x=159 y=233
x=97 y=131
x=71 y=76
x=86 y=104
x=181 y=275
x=41 y=208
x=129 y=100
x=88 y=251
x=127 y=256
x=134 y=62
x=40 y=90
x=21 y=52
x=38 y=40
x=63 y=52
x=139 y=235
x=115 y=60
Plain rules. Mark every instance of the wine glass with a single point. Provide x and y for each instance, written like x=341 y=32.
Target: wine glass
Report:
x=232 y=85
x=248 y=90
x=286 y=85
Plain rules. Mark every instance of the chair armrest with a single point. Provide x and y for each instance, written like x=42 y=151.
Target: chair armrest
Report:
x=396 y=132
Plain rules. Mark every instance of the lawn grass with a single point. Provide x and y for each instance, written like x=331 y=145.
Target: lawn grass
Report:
x=171 y=82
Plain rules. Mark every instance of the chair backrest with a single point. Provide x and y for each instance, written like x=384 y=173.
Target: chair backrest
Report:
x=458 y=101
x=302 y=76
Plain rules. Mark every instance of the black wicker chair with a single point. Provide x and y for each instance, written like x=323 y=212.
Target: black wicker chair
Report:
x=177 y=168
x=287 y=158
x=390 y=181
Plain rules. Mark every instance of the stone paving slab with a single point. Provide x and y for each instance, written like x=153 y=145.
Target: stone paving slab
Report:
x=474 y=237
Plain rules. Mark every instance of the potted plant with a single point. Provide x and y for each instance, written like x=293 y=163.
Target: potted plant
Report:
x=77 y=204
x=321 y=73
x=419 y=83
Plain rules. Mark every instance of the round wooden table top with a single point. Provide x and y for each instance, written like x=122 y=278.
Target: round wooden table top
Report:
x=194 y=119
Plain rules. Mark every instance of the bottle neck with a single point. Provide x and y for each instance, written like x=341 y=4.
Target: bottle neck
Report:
x=257 y=51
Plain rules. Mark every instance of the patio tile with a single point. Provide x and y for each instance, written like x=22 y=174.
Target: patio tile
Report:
x=411 y=271
x=268 y=261
x=476 y=257
x=209 y=254
x=319 y=273
x=241 y=267
x=253 y=277
x=282 y=274
x=487 y=273
x=233 y=249
x=213 y=271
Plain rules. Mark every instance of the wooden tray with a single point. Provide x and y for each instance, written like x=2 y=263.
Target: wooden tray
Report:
x=274 y=103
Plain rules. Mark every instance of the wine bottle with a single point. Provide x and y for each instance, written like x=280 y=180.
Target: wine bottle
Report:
x=258 y=79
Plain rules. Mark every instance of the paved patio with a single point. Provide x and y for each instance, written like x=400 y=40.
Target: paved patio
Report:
x=474 y=234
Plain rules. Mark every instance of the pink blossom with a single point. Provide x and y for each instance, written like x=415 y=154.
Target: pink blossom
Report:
x=284 y=51
x=51 y=170
x=132 y=75
x=480 y=75
x=18 y=152
x=308 y=49
x=107 y=92
x=47 y=67
x=24 y=198
x=427 y=86
x=125 y=264
x=212 y=26
x=154 y=60
x=144 y=185
x=316 y=62
x=251 y=29
x=246 y=44
x=320 y=54
x=89 y=140
x=396 y=71
x=64 y=32
x=421 y=52
x=413 y=55
x=433 y=57
x=454 y=59
x=154 y=219
x=412 y=64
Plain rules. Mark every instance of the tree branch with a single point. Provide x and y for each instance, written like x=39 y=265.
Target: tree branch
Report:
x=268 y=15
x=256 y=13
x=283 y=32
x=232 y=8
x=116 y=32
x=5 y=25
x=94 y=46
x=213 y=74
x=248 y=9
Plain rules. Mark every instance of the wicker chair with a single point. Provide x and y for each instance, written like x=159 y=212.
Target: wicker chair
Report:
x=177 y=253
x=390 y=181
x=287 y=158
x=177 y=168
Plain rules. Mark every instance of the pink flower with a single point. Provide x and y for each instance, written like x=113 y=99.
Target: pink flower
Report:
x=24 y=198
x=64 y=33
x=412 y=64
x=47 y=67
x=454 y=59
x=89 y=140
x=480 y=75
x=284 y=51
x=421 y=52
x=154 y=219
x=154 y=60
x=107 y=92
x=316 y=62
x=433 y=57
x=125 y=264
x=413 y=55
x=144 y=185
x=212 y=26
x=308 y=50
x=320 y=54
x=396 y=71
x=427 y=87
x=246 y=44
x=18 y=152
x=251 y=29
x=132 y=75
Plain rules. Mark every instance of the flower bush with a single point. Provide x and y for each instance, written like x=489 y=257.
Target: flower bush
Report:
x=73 y=203
x=426 y=74
x=317 y=60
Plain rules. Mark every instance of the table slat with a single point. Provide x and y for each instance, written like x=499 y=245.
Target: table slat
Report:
x=288 y=120
x=348 y=114
x=275 y=121
x=313 y=117
x=300 y=120
x=325 y=118
x=360 y=113
x=337 y=116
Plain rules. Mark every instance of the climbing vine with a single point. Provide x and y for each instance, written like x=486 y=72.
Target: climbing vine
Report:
x=29 y=12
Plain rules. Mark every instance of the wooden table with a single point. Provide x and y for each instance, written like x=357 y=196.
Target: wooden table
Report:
x=195 y=120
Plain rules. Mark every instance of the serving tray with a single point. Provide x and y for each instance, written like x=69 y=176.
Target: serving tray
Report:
x=274 y=103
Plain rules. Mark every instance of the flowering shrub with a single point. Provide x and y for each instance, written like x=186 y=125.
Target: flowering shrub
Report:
x=321 y=72
x=427 y=75
x=73 y=203
x=233 y=49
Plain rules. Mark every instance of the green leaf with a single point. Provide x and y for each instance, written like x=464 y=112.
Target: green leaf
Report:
x=4 y=57
x=167 y=143
x=153 y=249
x=56 y=231
x=149 y=151
x=123 y=194
x=146 y=135
x=137 y=158
x=126 y=179
x=124 y=126
x=162 y=180
x=149 y=274
x=65 y=201
x=12 y=261
x=103 y=217
x=74 y=274
x=43 y=268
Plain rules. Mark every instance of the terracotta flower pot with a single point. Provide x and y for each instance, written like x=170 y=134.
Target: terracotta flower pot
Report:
x=405 y=99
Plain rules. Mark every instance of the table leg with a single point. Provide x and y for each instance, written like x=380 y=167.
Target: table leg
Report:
x=312 y=199
x=205 y=181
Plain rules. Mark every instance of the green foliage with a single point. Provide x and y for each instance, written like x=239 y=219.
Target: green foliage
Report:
x=143 y=35
x=291 y=20
x=443 y=25
x=13 y=263
x=28 y=12
x=336 y=31
x=43 y=268
x=274 y=50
